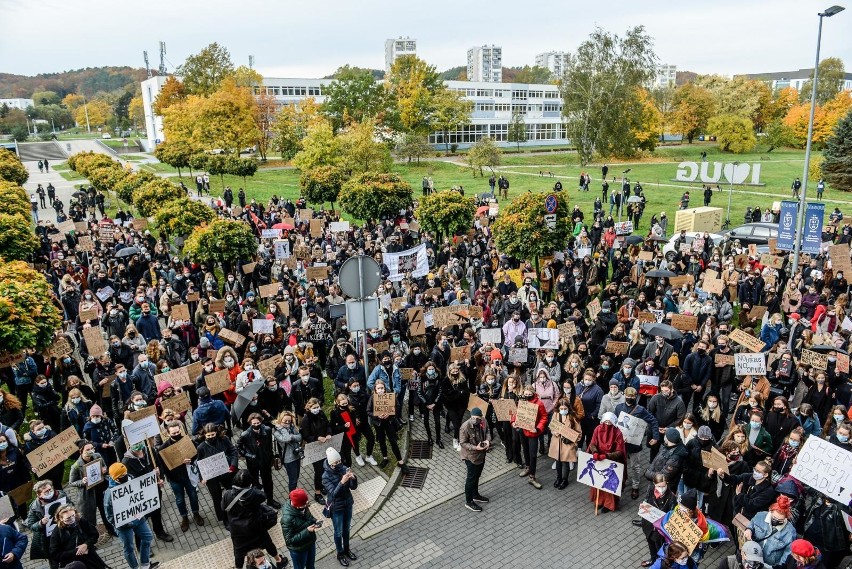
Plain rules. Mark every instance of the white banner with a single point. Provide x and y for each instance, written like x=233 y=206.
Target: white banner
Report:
x=135 y=499
x=633 y=428
x=139 y=431
x=282 y=248
x=543 y=338
x=826 y=468
x=412 y=261
x=491 y=336
x=213 y=466
x=316 y=451
x=339 y=226
x=270 y=233
x=750 y=364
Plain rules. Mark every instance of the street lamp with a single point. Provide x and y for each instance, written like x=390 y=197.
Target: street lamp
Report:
x=802 y=204
x=730 y=192
x=621 y=190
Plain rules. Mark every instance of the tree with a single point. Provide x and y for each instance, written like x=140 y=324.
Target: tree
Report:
x=485 y=153
x=218 y=165
x=599 y=91
x=264 y=118
x=181 y=216
x=517 y=129
x=245 y=76
x=46 y=98
x=203 y=72
x=412 y=145
x=73 y=101
x=445 y=212
x=291 y=126
x=223 y=241
x=17 y=240
x=837 y=167
x=322 y=184
x=411 y=85
x=150 y=196
x=175 y=153
x=647 y=132
x=527 y=74
x=733 y=133
x=98 y=112
x=354 y=95
x=664 y=99
x=173 y=91
x=452 y=112
x=124 y=189
x=694 y=106
x=318 y=148
x=359 y=151
x=242 y=167
x=375 y=196
x=11 y=168
x=15 y=200
x=520 y=230
x=830 y=83
x=784 y=100
x=777 y=135
x=737 y=96
x=137 y=112
x=28 y=313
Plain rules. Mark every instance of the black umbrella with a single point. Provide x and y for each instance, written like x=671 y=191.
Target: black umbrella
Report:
x=660 y=273
x=79 y=194
x=825 y=348
x=634 y=239
x=659 y=238
x=665 y=330
x=127 y=252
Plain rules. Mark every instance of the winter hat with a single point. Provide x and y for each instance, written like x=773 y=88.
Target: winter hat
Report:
x=787 y=487
x=704 y=433
x=299 y=498
x=96 y=411
x=332 y=455
x=672 y=435
x=751 y=551
x=795 y=316
x=609 y=416
x=496 y=354
x=802 y=548
x=613 y=381
x=629 y=362
x=689 y=499
x=606 y=305
x=476 y=412
x=204 y=343
x=117 y=470
x=674 y=360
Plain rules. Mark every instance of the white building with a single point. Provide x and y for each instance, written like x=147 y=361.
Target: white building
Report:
x=153 y=122
x=20 y=104
x=555 y=61
x=485 y=63
x=796 y=79
x=398 y=47
x=666 y=75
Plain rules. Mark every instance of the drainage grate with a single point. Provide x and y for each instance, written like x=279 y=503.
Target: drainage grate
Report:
x=415 y=477
x=420 y=449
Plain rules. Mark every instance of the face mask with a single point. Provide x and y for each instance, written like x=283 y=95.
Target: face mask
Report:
x=229 y=363
x=758 y=475
x=528 y=397
x=754 y=424
x=416 y=351
x=380 y=390
x=248 y=367
x=687 y=426
x=431 y=374
x=778 y=523
x=549 y=359
x=96 y=420
x=627 y=370
x=138 y=448
x=588 y=382
x=165 y=369
x=315 y=411
x=682 y=561
x=842 y=438
x=139 y=404
x=4 y=446
x=838 y=418
x=75 y=400
x=630 y=401
x=71 y=522
x=40 y=433
x=563 y=412
x=257 y=427
x=305 y=378
x=67 y=361
x=661 y=488
x=792 y=443
x=123 y=374
x=604 y=367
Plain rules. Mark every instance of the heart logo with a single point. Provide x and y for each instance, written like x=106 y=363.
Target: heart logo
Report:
x=736 y=173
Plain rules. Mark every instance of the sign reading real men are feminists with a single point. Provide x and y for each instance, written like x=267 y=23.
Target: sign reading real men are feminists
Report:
x=135 y=499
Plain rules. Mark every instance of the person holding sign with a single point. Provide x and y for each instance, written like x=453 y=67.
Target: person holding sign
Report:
x=607 y=443
x=563 y=448
x=384 y=424
x=339 y=481
x=129 y=532
x=215 y=441
x=179 y=479
x=75 y=539
x=663 y=499
x=38 y=516
x=773 y=531
x=91 y=493
x=530 y=436
x=255 y=445
x=315 y=427
x=632 y=408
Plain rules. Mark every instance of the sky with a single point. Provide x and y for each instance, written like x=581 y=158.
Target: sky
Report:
x=313 y=38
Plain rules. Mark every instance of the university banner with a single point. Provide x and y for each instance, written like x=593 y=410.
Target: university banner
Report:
x=787 y=226
x=413 y=261
x=812 y=228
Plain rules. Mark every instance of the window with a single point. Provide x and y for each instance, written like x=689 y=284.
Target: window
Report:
x=502 y=107
x=314 y=91
x=484 y=107
x=484 y=93
x=536 y=94
x=499 y=132
x=552 y=107
x=551 y=94
x=521 y=95
x=545 y=131
x=519 y=109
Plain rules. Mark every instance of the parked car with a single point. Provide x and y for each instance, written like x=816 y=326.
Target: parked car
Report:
x=669 y=250
x=106 y=135
x=758 y=233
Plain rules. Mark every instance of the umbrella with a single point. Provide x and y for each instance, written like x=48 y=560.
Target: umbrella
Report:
x=665 y=330
x=658 y=238
x=634 y=199
x=245 y=396
x=288 y=226
x=634 y=239
x=79 y=194
x=660 y=273
x=826 y=348
x=127 y=252
x=483 y=209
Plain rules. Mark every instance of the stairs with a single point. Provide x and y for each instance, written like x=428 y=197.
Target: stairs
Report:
x=34 y=151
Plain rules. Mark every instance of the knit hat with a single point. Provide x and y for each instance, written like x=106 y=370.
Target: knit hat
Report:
x=689 y=499
x=629 y=362
x=673 y=360
x=704 y=433
x=613 y=381
x=802 y=548
x=606 y=305
x=496 y=354
x=332 y=455
x=476 y=412
x=204 y=343
x=96 y=411
x=630 y=392
x=672 y=435
x=751 y=551
x=299 y=498
x=117 y=470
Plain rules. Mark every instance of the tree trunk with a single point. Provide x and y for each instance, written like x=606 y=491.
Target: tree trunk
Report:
x=179 y=173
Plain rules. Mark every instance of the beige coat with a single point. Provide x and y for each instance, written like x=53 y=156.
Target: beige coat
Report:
x=562 y=449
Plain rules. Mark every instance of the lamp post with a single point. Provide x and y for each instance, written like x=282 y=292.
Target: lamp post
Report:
x=621 y=190
x=730 y=192
x=802 y=203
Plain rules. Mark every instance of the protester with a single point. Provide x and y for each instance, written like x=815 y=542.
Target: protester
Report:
x=339 y=481
x=134 y=530
x=75 y=539
x=247 y=519
x=300 y=528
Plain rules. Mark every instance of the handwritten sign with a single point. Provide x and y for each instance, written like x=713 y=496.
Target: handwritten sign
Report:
x=842 y=363
x=262 y=326
x=460 y=354
x=90 y=314
x=746 y=340
x=526 y=415
x=213 y=466
x=180 y=403
x=504 y=408
x=173 y=376
x=826 y=468
x=713 y=286
x=517 y=356
x=477 y=402
x=248 y=268
x=141 y=430
x=649 y=513
x=681 y=528
x=543 y=338
x=493 y=336
x=757 y=312
x=416 y=323
x=567 y=330
x=646 y=317
x=814 y=359
x=232 y=337
x=60 y=347
x=54 y=451
x=724 y=359
x=714 y=459
x=142 y=413
x=217 y=305
x=218 y=381
x=95 y=343
x=267 y=366
x=193 y=370
x=175 y=454
x=565 y=430
x=678 y=282
x=316 y=227
x=384 y=404
x=135 y=499
x=772 y=261
x=613 y=347
x=594 y=308
x=750 y=364
x=315 y=451
x=685 y=322
x=180 y=312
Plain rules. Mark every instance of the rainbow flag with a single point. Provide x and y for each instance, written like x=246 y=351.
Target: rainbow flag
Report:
x=712 y=531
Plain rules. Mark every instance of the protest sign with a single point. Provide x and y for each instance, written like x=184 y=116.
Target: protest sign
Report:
x=141 y=430
x=142 y=413
x=613 y=347
x=176 y=377
x=648 y=380
x=60 y=347
x=268 y=290
x=594 y=308
x=6 y=509
x=814 y=359
x=270 y=233
x=606 y=475
x=633 y=428
x=678 y=282
x=380 y=347
x=460 y=354
x=746 y=340
x=23 y=493
x=213 y=466
x=90 y=314
x=406 y=373
x=650 y=513
x=94 y=472
x=646 y=317
x=826 y=468
x=773 y=261
x=713 y=286
x=85 y=244
x=724 y=359
x=50 y=510
x=135 y=499
x=95 y=343
x=757 y=312
x=750 y=364
x=646 y=255
x=416 y=323
x=384 y=404
x=217 y=306
x=54 y=451
x=282 y=248
x=567 y=330
x=267 y=366
x=517 y=355
x=262 y=326
x=565 y=430
x=218 y=381
x=398 y=303
x=193 y=297
x=180 y=312
x=306 y=213
x=248 y=268
x=317 y=227
x=315 y=451
x=477 y=402
x=193 y=370
x=503 y=408
x=543 y=338
x=842 y=363
x=714 y=459
x=526 y=415
x=232 y=337
x=685 y=322
x=492 y=336
x=175 y=454
x=681 y=528
x=338 y=226
x=316 y=273
x=180 y=403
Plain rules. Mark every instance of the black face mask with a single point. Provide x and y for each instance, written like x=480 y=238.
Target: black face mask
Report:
x=256 y=427
x=630 y=401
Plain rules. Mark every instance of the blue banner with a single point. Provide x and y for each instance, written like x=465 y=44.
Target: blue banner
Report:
x=787 y=226
x=812 y=230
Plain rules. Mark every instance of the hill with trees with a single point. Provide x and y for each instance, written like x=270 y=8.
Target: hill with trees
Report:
x=86 y=81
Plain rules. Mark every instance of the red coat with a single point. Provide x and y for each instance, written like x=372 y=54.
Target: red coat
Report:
x=541 y=419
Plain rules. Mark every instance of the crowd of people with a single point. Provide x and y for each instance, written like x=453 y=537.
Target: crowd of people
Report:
x=305 y=381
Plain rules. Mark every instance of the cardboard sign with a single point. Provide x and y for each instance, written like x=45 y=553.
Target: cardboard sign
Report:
x=684 y=322
x=217 y=306
x=218 y=381
x=94 y=472
x=814 y=359
x=173 y=376
x=616 y=348
x=477 y=402
x=842 y=363
x=594 y=308
x=633 y=428
x=262 y=326
x=380 y=347
x=316 y=273
x=416 y=323
x=646 y=255
x=567 y=330
x=460 y=354
x=135 y=499
x=750 y=364
x=141 y=430
x=647 y=317
x=679 y=281
x=248 y=268
x=106 y=233
x=193 y=370
x=724 y=359
x=317 y=227
x=338 y=226
x=306 y=213
x=504 y=408
x=193 y=297
x=232 y=337
x=606 y=475
x=772 y=261
x=543 y=338
x=773 y=246
x=268 y=290
x=435 y=292
x=284 y=307
x=95 y=343
x=714 y=459
x=406 y=373
x=54 y=451
x=446 y=316
x=681 y=528
x=175 y=454
x=746 y=340
x=526 y=415
x=150 y=411
x=85 y=244
x=90 y=314
x=384 y=404
x=6 y=509
x=61 y=347
x=139 y=223
x=23 y=493
x=757 y=312
x=180 y=403
x=558 y=428
x=267 y=366
x=213 y=466
x=826 y=468
x=315 y=451
x=180 y=312
x=713 y=286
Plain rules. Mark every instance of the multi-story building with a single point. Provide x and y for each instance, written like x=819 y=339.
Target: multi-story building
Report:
x=555 y=61
x=397 y=47
x=20 y=104
x=666 y=75
x=797 y=79
x=153 y=122
x=485 y=63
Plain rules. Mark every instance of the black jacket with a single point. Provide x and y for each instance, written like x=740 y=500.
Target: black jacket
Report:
x=314 y=426
x=753 y=498
x=256 y=446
